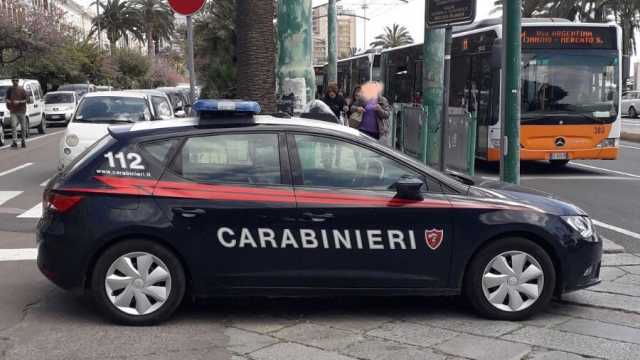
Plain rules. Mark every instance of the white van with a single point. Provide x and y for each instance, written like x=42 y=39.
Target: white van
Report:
x=35 y=106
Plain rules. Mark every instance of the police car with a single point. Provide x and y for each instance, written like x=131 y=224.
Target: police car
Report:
x=236 y=203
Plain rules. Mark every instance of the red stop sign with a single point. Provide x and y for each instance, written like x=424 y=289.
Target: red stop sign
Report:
x=186 y=7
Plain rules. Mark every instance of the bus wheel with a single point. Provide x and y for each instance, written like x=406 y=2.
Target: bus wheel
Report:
x=633 y=113
x=558 y=163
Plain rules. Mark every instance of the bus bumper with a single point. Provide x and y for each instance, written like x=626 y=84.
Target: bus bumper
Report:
x=573 y=154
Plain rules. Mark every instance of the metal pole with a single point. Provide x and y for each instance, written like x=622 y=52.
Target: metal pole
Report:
x=510 y=97
x=192 y=75
x=432 y=71
x=332 y=37
x=444 y=144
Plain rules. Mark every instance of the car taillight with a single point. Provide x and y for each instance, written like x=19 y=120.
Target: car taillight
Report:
x=61 y=203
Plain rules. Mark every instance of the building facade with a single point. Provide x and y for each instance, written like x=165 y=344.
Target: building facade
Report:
x=346 y=33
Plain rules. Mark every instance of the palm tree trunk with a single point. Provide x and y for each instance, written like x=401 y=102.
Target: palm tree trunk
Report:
x=256 y=52
x=150 y=44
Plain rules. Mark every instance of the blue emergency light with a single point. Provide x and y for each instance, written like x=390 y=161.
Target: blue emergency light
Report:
x=213 y=106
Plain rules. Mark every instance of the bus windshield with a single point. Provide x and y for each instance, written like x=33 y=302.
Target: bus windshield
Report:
x=575 y=87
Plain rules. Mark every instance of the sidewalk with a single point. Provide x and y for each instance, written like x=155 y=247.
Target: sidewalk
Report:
x=602 y=322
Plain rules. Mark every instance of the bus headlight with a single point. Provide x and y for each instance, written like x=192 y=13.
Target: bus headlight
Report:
x=495 y=143
x=72 y=140
x=610 y=142
x=581 y=224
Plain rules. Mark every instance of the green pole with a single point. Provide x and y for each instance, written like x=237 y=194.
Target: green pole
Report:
x=295 y=52
x=432 y=85
x=332 y=42
x=511 y=32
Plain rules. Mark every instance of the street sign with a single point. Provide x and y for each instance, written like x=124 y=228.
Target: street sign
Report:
x=450 y=12
x=186 y=7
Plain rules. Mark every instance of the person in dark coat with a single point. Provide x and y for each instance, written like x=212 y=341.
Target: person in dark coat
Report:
x=335 y=101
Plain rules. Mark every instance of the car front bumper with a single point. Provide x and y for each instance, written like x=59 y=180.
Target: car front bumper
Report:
x=581 y=266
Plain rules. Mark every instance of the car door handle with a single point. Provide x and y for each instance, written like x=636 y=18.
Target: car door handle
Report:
x=318 y=217
x=188 y=212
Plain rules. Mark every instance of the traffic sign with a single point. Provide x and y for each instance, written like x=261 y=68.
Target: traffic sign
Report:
x=186 y=7
x=450 y=12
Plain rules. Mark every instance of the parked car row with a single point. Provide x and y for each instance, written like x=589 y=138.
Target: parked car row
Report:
x=96 y=111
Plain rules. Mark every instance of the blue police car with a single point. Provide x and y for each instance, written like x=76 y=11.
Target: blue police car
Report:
x=235 y=203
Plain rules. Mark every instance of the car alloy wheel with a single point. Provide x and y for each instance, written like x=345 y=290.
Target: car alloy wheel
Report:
x=513 y=281
x=138 y=283
x=632 y=112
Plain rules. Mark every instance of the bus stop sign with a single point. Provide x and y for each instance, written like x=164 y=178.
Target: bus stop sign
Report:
x=450 y=12
x=186 y=7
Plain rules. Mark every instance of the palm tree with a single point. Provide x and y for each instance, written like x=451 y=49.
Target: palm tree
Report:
x=157 y=22
x=394 y=36
x=256 y=52
x=119 y=19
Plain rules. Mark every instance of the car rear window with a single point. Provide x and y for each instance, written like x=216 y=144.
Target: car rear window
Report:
x=160 y=150
x=112 y=109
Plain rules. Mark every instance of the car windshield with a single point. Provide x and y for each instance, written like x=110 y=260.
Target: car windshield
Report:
x=58 y=99
x=3 y=93
x=576 y=85
x=112 y=109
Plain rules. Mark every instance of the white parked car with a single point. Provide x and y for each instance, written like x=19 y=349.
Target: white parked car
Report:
x=59 y=106
x=99 y=110
x=631 y=103
x=35 y=106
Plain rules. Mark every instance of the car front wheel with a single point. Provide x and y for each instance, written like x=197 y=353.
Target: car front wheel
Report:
x=138 y=282
x=632 y=112
x=510 y=279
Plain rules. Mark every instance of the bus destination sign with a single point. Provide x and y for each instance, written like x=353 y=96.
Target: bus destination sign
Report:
x=569 y=38
x=450 y=12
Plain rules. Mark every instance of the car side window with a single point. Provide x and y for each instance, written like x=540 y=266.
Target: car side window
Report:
x=162 y=107
x=327 y=162
x=160 y=149
x=251 y=159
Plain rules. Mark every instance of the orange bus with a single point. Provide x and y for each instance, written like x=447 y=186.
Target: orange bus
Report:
x=571 y=86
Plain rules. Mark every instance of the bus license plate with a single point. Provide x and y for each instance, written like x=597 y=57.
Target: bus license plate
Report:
x=559 y=156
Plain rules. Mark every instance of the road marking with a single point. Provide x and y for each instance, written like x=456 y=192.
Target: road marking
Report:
x=617 y=229
x=18 y=254
x=33 y=213
x=630 y=147
x=15 y=169
x=8 y=195
x=44 y=183
x=607 y=170
x=33 y=139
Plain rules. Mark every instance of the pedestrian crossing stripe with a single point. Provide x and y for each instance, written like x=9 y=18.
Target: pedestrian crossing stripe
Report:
x=33 y=213
x=18 y=254
x=5 y=196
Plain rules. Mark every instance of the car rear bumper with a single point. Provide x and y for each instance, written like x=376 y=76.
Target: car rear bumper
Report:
x=572 y=154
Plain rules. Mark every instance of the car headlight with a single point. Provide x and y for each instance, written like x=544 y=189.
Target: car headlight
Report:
x=581 y=224
x=72 y=140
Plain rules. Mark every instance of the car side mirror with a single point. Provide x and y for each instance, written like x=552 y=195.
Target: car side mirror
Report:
x=180 y=114
x=409 y=188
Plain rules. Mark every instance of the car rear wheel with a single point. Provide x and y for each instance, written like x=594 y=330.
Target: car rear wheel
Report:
x=510 y=279
x=1 y=134
x=138 y=282
x=632 y=112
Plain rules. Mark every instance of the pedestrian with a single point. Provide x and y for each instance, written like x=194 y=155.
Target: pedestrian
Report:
x=16 y=100
x=335 y=101
x=375 y=110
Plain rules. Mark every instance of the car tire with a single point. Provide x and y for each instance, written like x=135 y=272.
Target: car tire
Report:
x=28 y=132
x=124 y=265
x=558 y=163
x=508 y=293
x=2 y=139
x=632 y=112
x=42 y=128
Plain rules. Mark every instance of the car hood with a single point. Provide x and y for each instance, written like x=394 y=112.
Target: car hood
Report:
x=88 y=133
x=531 y=198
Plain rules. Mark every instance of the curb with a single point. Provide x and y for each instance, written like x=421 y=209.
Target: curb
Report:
x=609 y=247
x=635 y=137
